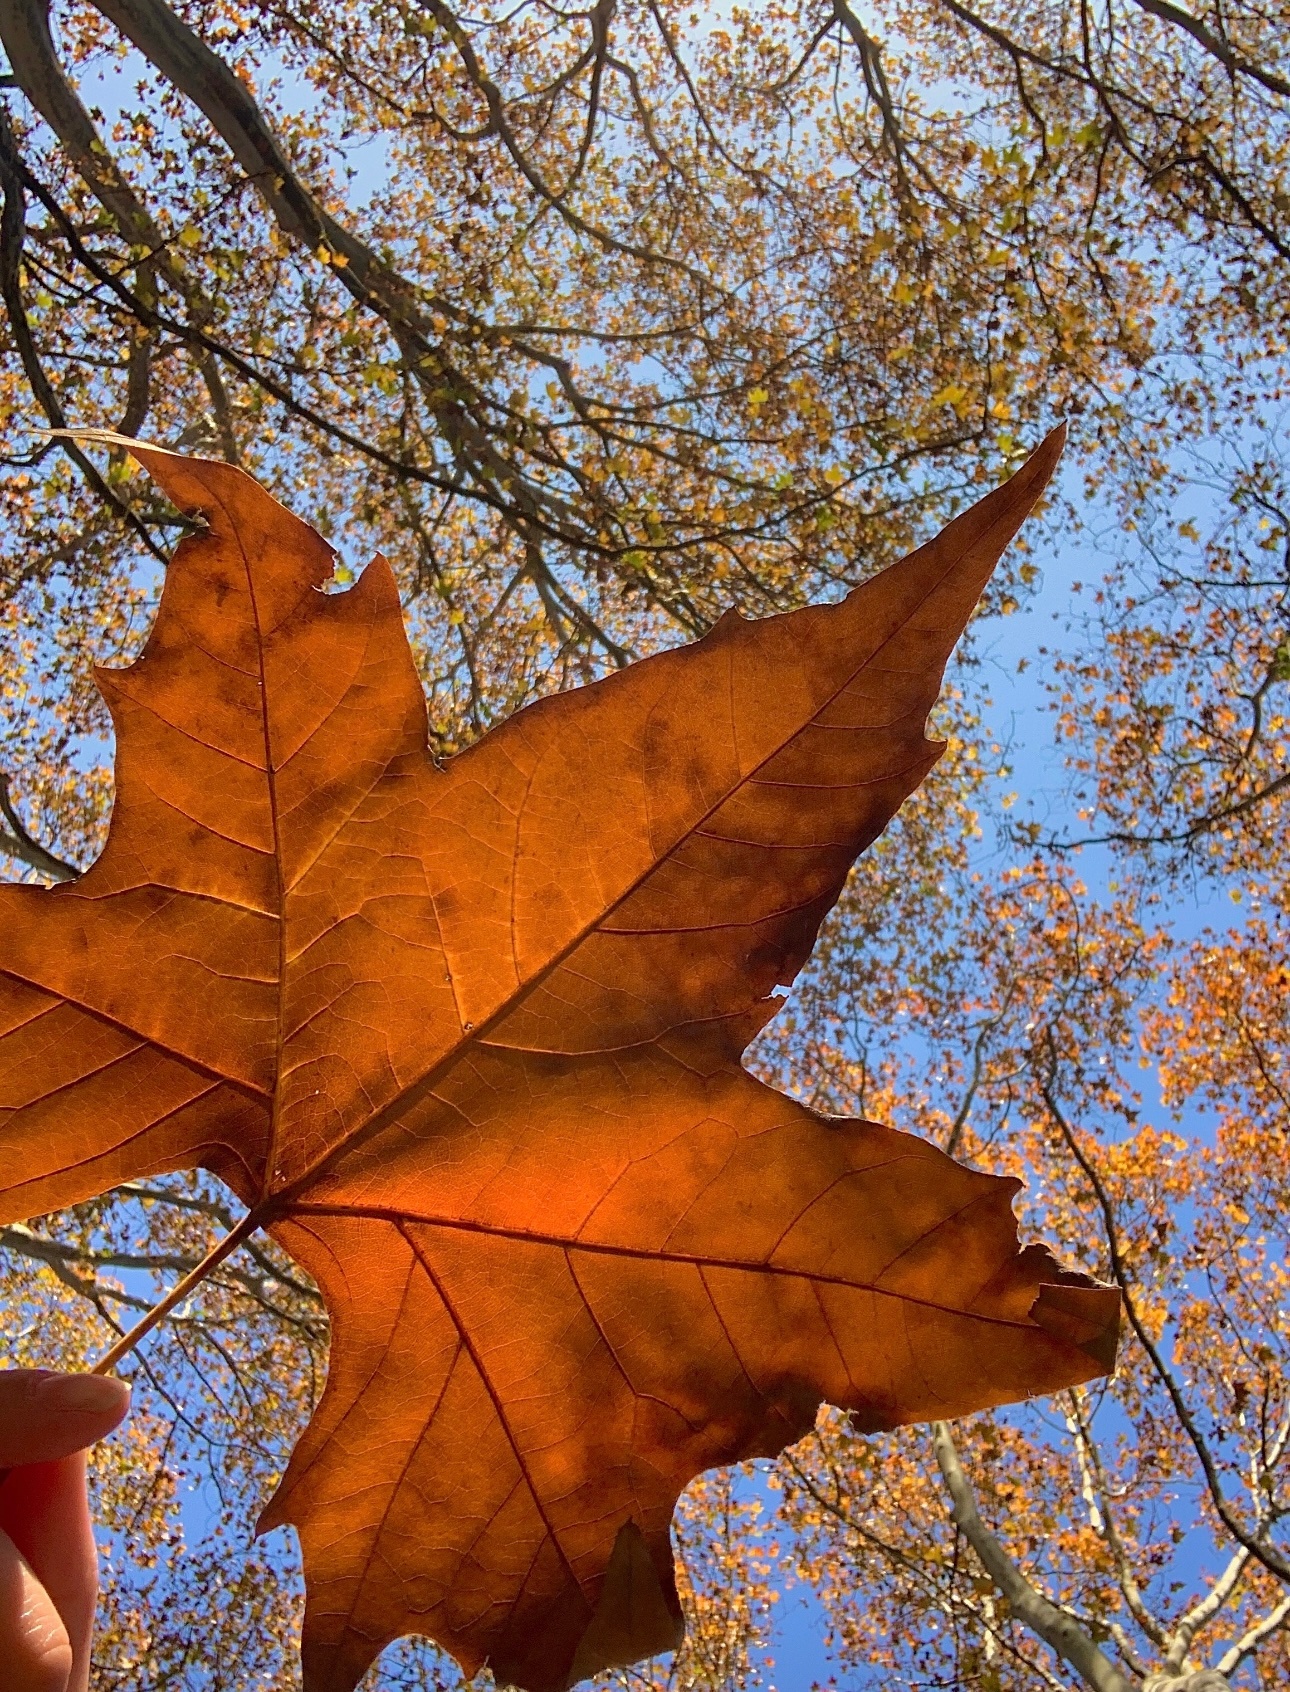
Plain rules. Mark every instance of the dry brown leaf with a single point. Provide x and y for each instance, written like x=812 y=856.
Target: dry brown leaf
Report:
x=467 y=1041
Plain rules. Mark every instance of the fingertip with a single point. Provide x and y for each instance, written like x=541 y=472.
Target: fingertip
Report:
x=45 y=1416
x=84 y=1395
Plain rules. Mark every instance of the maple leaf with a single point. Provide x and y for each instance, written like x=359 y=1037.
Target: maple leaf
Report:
x=467 y=1040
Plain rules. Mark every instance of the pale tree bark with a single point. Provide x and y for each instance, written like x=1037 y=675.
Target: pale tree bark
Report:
x=17 y=842
x=1043 y=1617
x=1062 y=1631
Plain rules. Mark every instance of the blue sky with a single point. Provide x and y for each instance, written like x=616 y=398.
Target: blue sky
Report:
x=1021 y=719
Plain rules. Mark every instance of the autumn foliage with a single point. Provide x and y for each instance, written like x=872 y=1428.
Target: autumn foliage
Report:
x=599 y=324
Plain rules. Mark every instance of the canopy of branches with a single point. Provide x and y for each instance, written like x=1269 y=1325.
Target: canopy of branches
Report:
x=601 y=322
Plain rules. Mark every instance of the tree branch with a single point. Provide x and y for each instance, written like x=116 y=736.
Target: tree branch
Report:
x=1055 y=1626
x=1253 y=1637
x=1258 y=1547
x=1203 y=825
x=199 y=74
x=1200 y=1614
x=939 y=1587
x=1215 y=46
x=24 y=31
x=1094 y=1481
x=13 y=235
x=30 y=1244
x=875 y=76
x=18 y=843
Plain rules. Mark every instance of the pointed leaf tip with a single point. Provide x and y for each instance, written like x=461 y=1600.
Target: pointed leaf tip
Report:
x=634 y=1618
x=1087 y=1317
x=926 y=599
x=1043 y=461
x=227 y=496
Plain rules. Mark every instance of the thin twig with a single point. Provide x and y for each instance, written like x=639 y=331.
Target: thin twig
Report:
x=1258 y=1547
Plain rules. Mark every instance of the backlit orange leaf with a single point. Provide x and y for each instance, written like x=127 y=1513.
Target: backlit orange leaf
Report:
x=466 y=1040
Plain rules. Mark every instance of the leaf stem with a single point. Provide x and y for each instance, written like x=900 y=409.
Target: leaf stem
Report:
x=126 y=1344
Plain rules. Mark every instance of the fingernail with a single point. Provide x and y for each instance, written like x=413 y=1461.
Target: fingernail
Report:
x=95 y=1393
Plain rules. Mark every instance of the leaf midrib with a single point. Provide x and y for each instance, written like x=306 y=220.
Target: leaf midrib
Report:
x=401 y=1218
x=415 y=1090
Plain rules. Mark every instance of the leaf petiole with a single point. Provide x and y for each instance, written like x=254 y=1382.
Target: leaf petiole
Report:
x=126 y=1344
